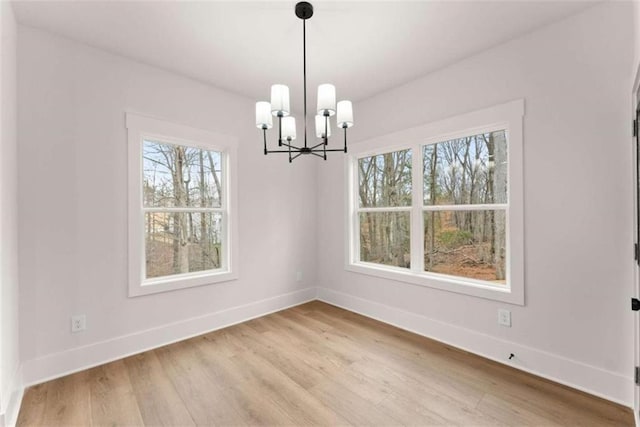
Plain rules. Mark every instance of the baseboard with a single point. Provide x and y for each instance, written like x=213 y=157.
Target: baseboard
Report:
x=56 y=365
x=12 y=399
x=593 y=380
x=590 y=379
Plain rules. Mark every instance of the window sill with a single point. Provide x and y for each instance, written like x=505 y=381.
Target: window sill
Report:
x=440 y=281
x=181 y=281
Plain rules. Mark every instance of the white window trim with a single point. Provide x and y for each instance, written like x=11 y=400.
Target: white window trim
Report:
x=508 y=116
x=140 y=127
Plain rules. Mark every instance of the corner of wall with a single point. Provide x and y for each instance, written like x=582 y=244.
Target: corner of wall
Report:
x=10 y=373
x=14 y=393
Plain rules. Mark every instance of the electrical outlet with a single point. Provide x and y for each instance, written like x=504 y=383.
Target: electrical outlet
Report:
x=504 y=317
x=299 y=276
x=78 y=323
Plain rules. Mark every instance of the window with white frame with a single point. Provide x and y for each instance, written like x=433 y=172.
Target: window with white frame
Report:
x=441 y=205
x=181 y=197
x=384 y=208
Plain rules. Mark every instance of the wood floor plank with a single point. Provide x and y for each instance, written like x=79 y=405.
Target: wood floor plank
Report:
x=408 y=380
x=68 y=401
x=35 y=398
x=354 y=408
x=227 y=341
x=511 y=414
x=276 y=387
x=392 y=365
x=315 y=326
x=260 y=325
x=403 y=388
x=113 y=401
x=246 y=396
x=314 y=364
x=309 y=343
x=408 y=412
x=445 y=412
x=159 y=402
x=206 y=398
x=306 y=370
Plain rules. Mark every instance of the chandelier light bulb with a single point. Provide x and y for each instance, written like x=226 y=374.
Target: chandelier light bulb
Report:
x=264 y=119
x=326 y=99
x=345 y=114
x=289 y=128
x=280 y=100
x=320 y=125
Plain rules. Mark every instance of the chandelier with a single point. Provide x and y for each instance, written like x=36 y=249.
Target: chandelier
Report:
x=327 y=107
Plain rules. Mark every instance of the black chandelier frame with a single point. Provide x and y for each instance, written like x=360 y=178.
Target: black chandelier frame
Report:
x=304 y=11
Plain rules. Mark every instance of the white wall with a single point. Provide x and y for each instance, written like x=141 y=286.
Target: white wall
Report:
x=636 y=36
x=9 y=353
x=575 y=78
x=73 y=208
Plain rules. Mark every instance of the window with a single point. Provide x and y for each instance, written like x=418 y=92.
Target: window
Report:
x=384 y=189
x=465 y=201
x=441 y=205
x=181 y=198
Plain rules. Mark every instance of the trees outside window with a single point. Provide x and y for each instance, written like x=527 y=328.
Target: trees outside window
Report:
x=182 y=188
x=384 y=193
x=181 y=201
x=465 y=201
x=441 y=205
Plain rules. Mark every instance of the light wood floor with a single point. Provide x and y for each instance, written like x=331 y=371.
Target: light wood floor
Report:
x=312 y=364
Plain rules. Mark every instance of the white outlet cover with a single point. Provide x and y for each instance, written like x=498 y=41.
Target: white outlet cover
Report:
x=504 y=317
x=78 y=323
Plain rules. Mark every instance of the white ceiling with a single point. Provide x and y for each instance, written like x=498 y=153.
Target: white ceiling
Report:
x=244 y=47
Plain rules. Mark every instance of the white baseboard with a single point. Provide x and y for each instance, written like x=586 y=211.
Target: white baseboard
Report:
x=12 y=399
x=56 y=365
x=590 y=379
x=593 y=380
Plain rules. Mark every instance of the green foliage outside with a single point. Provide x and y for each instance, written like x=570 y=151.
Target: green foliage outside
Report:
x=454 y=238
